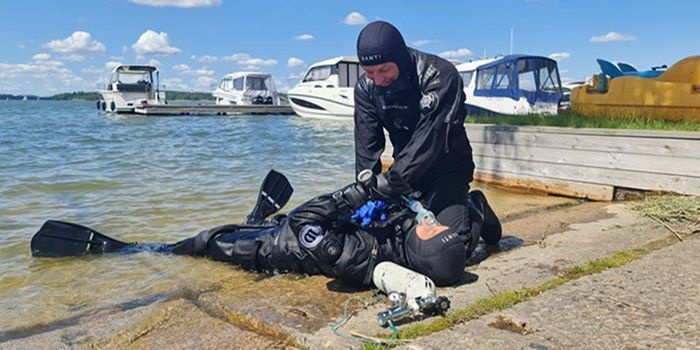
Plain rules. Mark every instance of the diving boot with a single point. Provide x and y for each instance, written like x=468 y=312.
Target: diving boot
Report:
x=491 y=231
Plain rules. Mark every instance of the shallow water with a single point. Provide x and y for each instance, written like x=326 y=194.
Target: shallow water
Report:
x=157 y=179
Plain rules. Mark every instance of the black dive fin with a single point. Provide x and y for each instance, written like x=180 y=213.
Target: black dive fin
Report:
x=275 y=192
x=58 y=238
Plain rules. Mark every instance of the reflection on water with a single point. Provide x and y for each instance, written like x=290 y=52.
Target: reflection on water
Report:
x=140 y=179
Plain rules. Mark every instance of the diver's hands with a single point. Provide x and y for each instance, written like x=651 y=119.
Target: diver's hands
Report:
x=390 y=185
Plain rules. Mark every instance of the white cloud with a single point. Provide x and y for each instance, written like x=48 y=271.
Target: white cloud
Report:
x=423 y=42
x=295 y=62
x=112 y=64
x=40 y=77
x=204 y=72
x=73 y=57
x=205 y=58
x=304 y=37
x=178 y=3
x=236 y=57
x=560 y=56
x=182 y=68
x=187 y=70
x=295 y=76
x=455 y=54
x=204 y=83
x=41 y=57
x=355 y=19
x=245 y=59
x=154 y=63
x=76 y=46
x=21 y=46
x=92 y=70
x=175 y=84
x=258 y=62
x=151 y=42
x=612 y=36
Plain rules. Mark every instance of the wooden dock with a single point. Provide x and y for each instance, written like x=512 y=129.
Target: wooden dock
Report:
x=173 y=110
x=585 y=163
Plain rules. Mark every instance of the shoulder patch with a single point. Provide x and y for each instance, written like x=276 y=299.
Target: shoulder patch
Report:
x=310 y=236
x=428 y=102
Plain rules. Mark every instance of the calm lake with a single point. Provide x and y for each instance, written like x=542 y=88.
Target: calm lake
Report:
x=155 y=179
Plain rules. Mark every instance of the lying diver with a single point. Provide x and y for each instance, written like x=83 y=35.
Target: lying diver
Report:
x=318 y=237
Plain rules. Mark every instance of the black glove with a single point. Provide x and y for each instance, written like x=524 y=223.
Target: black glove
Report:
x=390 y=185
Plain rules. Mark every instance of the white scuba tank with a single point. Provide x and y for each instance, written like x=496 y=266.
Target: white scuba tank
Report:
x=392 y=278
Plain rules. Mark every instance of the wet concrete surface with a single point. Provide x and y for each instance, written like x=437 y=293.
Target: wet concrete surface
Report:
x=652 y=303
x=243 y=310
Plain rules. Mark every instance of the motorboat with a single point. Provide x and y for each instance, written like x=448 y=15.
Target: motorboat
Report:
x=512 y=84
x=130 y=87
x=246 y=88
x=659 y=93
x=327 y=89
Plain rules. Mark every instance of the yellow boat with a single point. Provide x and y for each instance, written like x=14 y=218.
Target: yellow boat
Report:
x=673 y=94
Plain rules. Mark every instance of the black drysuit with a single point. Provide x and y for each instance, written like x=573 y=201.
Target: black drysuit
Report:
x=318 y=238
x=423 y=113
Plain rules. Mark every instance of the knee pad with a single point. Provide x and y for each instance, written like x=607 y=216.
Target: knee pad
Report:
x=441 y=258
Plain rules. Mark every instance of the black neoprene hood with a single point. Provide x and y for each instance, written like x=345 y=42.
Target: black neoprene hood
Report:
x=380 y=42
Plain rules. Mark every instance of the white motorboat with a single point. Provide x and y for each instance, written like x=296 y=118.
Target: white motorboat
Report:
x=245 y=89
x=130 y=87
x=327 y=89
x=513 y=84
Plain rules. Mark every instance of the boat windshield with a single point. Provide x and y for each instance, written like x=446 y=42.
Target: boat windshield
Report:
x=134 y=77
x=257 y=83
x=535 y=74
x=318 y=73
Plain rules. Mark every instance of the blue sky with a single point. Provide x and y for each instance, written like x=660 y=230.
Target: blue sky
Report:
x=49 y=47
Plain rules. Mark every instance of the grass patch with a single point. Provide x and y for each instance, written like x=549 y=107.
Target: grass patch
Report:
x=572 y=119
x=680 y=212
x=507 y=299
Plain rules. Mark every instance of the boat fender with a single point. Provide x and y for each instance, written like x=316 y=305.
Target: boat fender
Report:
x=113 y=106
x=104 y=105
x=98 y=104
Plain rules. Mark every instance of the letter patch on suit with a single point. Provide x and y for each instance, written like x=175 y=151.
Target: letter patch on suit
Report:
x=310 y=236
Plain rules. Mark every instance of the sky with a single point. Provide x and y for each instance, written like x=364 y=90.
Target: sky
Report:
x=53 y=46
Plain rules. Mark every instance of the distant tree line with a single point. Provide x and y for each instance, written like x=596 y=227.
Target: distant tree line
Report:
x=94 y=96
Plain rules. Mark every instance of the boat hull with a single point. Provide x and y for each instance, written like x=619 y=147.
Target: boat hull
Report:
x=322 y=104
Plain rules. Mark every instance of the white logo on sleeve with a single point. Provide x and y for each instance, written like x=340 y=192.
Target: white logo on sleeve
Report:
x=310 y=236
x=428 y=102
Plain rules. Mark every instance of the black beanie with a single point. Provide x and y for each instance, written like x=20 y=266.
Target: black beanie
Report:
x=380 y=42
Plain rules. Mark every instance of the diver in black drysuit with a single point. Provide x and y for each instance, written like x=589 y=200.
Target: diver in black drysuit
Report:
x=318 y=237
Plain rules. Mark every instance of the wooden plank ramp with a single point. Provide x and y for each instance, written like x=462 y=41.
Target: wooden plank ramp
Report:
x=584 y=163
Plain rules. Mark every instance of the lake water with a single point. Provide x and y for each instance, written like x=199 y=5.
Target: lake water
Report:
x=157 y=179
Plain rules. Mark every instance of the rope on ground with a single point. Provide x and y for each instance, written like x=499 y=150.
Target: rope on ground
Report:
x=364 y=339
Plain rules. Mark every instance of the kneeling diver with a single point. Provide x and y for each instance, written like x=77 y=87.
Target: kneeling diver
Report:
x=317 y=237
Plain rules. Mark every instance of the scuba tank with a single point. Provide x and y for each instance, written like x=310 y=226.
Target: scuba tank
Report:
x=409 y=292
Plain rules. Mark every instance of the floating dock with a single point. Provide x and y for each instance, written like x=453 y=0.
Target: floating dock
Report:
x=166 y=110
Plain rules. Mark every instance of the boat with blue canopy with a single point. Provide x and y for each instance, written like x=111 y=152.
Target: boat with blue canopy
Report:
x=512 y=84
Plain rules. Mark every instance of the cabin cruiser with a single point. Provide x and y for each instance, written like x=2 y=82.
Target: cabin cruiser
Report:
x=327 y=89
x=513 y=84
x=246 y=88
x=130 y=87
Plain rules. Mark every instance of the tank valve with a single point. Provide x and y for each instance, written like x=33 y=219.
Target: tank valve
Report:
x=409 y=293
